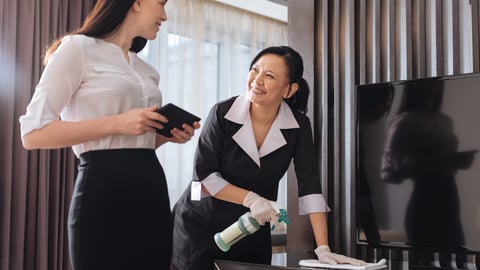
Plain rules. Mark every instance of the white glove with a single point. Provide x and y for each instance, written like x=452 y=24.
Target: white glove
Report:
x=326 y=256
x=261 y=209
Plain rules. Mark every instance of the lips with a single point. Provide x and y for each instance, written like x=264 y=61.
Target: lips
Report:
x=257 y=91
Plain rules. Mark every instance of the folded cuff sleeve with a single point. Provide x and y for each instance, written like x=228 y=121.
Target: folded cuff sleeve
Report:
x=214 y=183
x=312 y=203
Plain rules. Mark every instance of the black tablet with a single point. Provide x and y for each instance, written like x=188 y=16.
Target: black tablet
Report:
x=176 y=118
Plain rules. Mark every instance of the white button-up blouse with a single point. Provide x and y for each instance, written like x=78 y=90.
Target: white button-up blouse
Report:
x=88 y=78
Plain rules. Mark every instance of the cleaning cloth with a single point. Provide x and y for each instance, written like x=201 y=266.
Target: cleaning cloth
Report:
x=370 y=266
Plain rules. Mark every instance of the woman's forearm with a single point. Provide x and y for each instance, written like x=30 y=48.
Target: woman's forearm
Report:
x=231 y=193
x=59 y=134
x=320 y=229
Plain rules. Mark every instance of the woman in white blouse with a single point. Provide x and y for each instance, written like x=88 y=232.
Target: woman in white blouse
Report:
x=97 y=96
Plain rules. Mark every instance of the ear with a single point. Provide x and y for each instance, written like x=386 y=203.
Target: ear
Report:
x=291 y=90
x=136 y=6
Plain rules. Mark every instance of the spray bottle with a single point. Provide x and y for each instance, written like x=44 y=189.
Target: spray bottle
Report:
x=244 y=226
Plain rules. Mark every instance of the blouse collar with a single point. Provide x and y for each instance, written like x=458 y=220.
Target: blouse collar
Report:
x=239 y=113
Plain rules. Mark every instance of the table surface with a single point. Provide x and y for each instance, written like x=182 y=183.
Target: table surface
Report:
x=229 y=265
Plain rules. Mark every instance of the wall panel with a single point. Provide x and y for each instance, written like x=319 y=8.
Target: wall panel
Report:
x=368 y=41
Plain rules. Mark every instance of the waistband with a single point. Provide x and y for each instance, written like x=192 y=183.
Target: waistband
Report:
x=117 y=155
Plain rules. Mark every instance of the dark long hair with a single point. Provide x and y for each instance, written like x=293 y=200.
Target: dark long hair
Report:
x=102 y=21
x=298 y=101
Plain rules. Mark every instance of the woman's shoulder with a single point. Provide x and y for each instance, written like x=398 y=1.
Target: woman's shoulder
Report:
x=72 y=46
x=79 y=38
x=77 y=42
x=301 y=118
x=224 y=105
x=221 y=108
x=226 y=102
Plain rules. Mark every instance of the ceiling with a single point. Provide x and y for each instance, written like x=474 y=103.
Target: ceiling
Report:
x=281 y=2
x=276 y=9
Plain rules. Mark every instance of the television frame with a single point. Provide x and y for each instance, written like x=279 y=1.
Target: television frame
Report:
x=356 y=160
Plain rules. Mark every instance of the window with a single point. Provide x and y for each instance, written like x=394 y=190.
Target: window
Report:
x=203 y=59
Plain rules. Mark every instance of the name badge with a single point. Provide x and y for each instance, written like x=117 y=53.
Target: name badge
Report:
x=196 y=191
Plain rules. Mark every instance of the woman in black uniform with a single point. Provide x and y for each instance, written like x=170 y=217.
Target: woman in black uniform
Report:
x=245 y=148
x=106 y=98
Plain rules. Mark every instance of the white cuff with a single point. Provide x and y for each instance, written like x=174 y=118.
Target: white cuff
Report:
x=312 y=203
x=214 y=183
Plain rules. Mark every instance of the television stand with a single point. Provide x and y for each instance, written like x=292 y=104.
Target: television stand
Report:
x=407 y=258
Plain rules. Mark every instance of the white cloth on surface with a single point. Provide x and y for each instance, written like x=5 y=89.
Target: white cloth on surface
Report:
x=313 y=263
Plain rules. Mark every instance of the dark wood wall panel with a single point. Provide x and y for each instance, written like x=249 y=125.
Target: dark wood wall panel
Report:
x=350 y=42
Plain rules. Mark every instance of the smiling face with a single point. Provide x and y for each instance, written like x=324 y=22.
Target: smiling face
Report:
x=268 y=82
x=150 y=14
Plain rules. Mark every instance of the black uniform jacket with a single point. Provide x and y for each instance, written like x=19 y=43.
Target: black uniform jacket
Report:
x=196 y=222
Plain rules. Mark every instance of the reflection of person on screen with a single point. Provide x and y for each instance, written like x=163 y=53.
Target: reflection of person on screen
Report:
x=421 y=146
x=376 y=105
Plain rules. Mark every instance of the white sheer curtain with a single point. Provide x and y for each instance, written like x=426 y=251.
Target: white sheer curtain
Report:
x=203 y=53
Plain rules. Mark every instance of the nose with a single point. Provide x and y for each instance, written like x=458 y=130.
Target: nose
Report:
x=258 y=80
x=164 y=15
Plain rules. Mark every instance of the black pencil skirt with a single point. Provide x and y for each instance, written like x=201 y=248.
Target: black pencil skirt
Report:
x=120 y=215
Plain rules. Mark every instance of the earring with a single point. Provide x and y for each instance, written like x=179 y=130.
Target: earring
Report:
x=138 y=9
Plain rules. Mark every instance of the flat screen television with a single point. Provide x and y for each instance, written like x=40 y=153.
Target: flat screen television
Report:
x=417 y=168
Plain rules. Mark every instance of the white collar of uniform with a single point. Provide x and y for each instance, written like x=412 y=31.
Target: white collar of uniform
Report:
x=239 y=113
